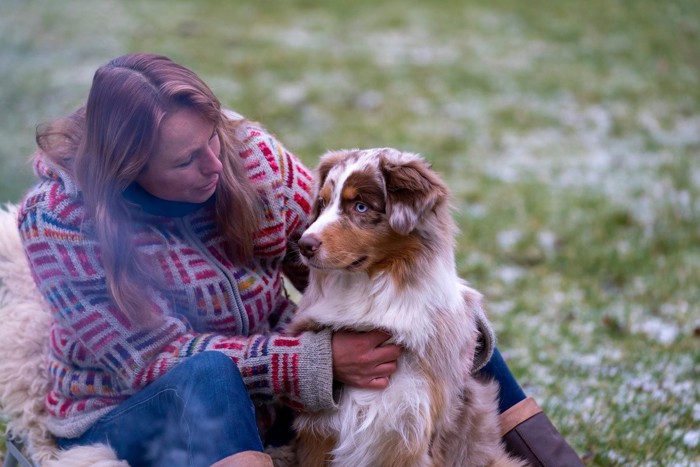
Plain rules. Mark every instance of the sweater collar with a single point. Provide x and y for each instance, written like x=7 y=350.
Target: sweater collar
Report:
x=161 y=207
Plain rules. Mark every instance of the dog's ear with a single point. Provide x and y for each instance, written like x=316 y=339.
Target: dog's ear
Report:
x=413 y=189
x=326 y=162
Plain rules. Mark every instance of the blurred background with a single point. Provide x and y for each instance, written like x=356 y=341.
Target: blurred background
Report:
x=569 y=132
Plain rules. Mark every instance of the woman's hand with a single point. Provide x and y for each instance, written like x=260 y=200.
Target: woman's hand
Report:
x=360 y=359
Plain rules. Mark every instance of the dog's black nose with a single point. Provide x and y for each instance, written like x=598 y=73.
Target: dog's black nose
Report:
x=309 y=245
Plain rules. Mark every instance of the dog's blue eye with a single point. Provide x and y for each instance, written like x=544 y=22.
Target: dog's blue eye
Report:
x=361 y=207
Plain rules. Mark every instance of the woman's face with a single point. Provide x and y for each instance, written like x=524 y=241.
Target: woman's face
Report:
x=186 y=165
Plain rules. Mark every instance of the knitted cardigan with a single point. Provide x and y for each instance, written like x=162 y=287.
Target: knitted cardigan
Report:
x=97 y=358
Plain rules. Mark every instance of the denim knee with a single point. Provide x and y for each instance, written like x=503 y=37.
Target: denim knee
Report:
x=211 y=377
x=206 y=364
x=216 y=393
x=198 y=412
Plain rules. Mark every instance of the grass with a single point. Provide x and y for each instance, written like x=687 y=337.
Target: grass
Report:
x=568 y=131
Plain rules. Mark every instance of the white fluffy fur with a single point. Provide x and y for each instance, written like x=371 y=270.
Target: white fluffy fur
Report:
x=97 y=455
x=432 y=413
x=24 y=338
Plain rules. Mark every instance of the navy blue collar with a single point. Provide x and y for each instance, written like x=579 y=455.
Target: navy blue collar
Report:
x=161 y=207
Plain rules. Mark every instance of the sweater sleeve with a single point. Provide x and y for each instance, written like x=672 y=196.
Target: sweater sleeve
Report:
x=96 y=348
x=295 y=370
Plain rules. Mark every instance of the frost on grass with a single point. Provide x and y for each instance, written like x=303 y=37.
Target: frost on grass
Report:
x=507 y=239
x=654 y=328
x=479 y=82
x=692 y=439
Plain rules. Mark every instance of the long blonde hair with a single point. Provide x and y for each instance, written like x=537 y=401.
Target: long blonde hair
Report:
x=108 y=142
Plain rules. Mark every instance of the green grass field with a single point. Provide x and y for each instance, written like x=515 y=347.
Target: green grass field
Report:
x=568 y=131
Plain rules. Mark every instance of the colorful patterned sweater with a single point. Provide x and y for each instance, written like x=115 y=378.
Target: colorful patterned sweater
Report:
x=97 y=359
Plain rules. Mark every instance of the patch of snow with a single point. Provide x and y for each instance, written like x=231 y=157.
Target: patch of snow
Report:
x=654 y=328
x=507 y=239
x=548 y=241
x=509 y=274
x=692 y=438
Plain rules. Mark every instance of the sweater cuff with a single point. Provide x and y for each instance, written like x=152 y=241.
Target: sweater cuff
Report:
x=316 y=371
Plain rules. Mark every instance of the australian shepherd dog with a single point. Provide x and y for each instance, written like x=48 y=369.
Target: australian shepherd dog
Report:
x=381 y=256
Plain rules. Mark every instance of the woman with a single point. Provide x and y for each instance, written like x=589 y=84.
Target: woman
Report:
x=158 y=235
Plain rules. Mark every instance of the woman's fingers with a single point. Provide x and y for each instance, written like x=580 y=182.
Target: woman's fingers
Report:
x=378 y=383
x=363 y=359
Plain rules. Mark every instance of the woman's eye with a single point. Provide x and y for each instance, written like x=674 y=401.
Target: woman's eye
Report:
x=361 y=207
x=186 y=163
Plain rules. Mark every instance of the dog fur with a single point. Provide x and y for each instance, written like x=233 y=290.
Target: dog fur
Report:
x=381 y=256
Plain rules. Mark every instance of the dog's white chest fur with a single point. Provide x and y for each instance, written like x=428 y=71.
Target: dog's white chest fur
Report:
x=370 y=422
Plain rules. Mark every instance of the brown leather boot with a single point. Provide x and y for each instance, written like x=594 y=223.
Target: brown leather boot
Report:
x=245 y=459
x=528 y=434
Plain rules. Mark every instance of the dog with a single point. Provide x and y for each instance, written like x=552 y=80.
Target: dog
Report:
x=380 y=251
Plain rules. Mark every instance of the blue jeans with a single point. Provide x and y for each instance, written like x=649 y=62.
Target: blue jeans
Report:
x=510 y=392
x=194 y=415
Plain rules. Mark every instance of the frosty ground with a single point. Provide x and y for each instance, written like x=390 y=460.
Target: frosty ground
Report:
x=569 y=133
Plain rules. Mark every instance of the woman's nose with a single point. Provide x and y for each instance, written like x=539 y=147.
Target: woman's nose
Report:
x=212 y=164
